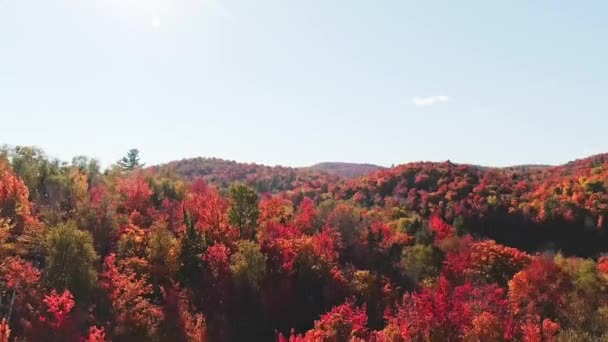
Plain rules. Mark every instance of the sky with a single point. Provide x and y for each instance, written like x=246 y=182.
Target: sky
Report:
x=299 y=82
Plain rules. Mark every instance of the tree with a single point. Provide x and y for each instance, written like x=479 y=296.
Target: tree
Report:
x=444 y=312
x=137 y=319
x=58 y=309
x=29 y=163
x=420 y=261
x=191 y=251
x=130 y=162
x=89 y=166
x=539 y=289
x=161 y=252
x=70 y=259
x=96 y=335
x=345 y=322
x=15 y=209
x=306 y=219
x=209 y=214
x=243 y=212
x=248 y=265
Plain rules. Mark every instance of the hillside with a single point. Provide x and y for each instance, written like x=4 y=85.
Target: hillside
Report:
x=560 y=207
x=345 y=170
x=209 y=249
x=262 y=178
x=565 y=205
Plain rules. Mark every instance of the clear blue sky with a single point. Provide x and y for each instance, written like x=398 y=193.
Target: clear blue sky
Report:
x=299 y=82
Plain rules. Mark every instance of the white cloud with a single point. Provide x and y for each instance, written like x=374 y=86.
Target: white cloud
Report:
x=429 y=100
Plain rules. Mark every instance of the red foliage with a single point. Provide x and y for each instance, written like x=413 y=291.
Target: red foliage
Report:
x=306 y=216
x=326 y=245
x=185 y=325
x=288 y=248
x=382 y=235
x=539 y=289
x=343 y=323
x=59 y=307
x=602 y=265
x=5 y=331
x=535 y=331
x=18 y=273
x=295 y=182
x=96 y=335
x=313 y=265
x=136 y=194
x=484 y=260
x=208 y=210
x=128 y=293
x=275 y=209
x=446 y=312
x=15 y=209
x=217 y=258
x=441 y=229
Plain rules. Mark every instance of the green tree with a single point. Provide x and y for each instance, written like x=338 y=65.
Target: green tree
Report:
x=420 y=261
x=243 y=212
x=70 y=259
x=160 y=253
x=248 y=265
x=192 y=247
x=130 y=162
x=89 y=166
x=32 y=165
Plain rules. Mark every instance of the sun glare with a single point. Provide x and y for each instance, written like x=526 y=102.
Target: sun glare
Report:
x=148 y=12
x=156 y=22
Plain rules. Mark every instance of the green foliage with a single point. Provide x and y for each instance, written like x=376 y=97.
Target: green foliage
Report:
x=572 y=335
x=190 y=259
x=70 y=259
x=161 y=243
x=31 y=164
x=420 y=261
x=248 y=264
x=130 y=162
x=166 y=188
x=89 y=166
x=594 y=186
x=459 y=224
x=100 y=220
x=243 y=212
x=422 y=234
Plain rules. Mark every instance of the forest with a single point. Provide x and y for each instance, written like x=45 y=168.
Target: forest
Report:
x=207 y=249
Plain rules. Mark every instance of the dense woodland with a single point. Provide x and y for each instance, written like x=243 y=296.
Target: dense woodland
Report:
x=214 y=250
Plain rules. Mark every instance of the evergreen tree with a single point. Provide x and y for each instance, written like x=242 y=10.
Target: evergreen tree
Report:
x=243 y=212
x=130 y=162
x=191 y=253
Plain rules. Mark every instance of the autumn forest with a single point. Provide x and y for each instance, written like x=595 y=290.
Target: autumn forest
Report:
x=207 y=249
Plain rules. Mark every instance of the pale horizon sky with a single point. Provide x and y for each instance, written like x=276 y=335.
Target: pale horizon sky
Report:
x=300 y=82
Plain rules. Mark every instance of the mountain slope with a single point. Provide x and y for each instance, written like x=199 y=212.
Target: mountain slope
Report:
x=345 y=170
x=262 y=178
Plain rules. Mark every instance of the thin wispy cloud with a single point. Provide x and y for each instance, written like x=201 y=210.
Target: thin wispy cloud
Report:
x=429 y=100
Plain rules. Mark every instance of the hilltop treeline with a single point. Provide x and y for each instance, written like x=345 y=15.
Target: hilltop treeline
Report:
x=206 y=249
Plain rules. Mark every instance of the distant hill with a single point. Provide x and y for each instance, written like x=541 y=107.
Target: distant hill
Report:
x=262 y=178
x=220 y=172
x=346 y=170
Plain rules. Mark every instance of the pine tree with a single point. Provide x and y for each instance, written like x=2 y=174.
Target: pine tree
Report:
x=130 y=162
x=243 y=212
x=191 y=253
